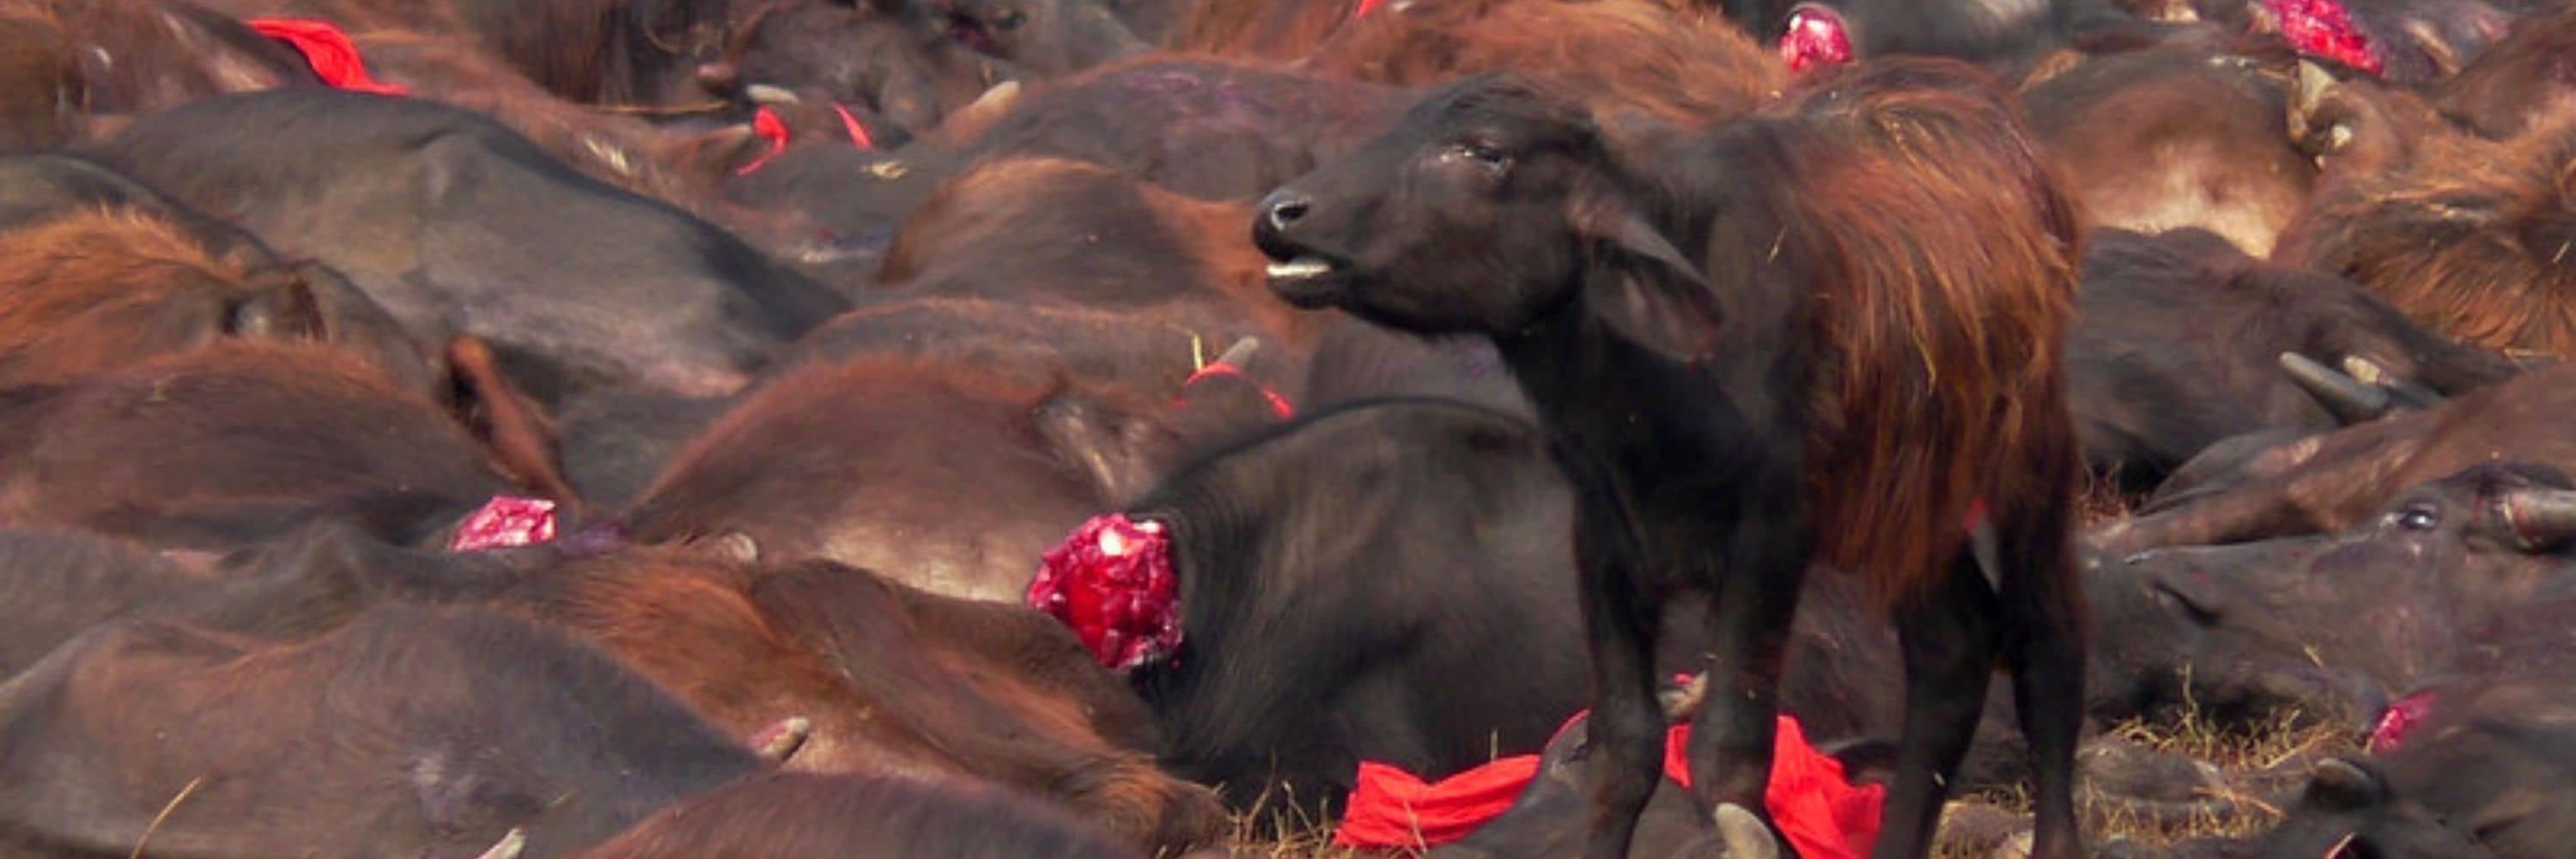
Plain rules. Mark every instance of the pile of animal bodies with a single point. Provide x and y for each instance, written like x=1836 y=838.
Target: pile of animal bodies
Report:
x=1048 y=427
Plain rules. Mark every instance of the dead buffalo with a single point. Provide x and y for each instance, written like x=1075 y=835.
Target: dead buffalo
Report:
x=949 y=476
x=2333 y=481
x=2520 y=78
x=2468 y=237
x=2177 y=342
x=1207 y=128
x=2166 y=139
x=791 y=814
x=409 y=731
x=1682 y=66
x=1791 y=343
x=436 y=213
x=2333 y=625
x=57 y=582
x=2476 y=765
x=241 y=440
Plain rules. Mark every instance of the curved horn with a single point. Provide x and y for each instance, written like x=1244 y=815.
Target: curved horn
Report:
x=770 y=94
x=509 y=846
x=2540 y=518
x=2350 y=400
x=1240 y=352
x=1743 y=834
x=2407 y=392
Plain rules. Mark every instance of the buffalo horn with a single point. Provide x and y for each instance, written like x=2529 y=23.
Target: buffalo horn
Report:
x=2541 y=518
x=1744 y=835
x=770 y=94
x=509 y=846
x=2407 y=392
x=2350 y=400
x=1240 y=352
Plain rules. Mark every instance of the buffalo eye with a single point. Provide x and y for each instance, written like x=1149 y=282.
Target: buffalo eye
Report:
x=2419 y=517
x=1486 y=155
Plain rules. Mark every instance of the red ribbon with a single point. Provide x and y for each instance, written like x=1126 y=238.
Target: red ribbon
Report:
x=1820 y=812
x=333 y=57
x=1279 y=405
x=766 y=125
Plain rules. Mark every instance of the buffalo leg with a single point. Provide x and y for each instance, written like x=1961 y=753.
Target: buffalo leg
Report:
x=1732 y=736
x=2046 y=657
x=1949 y=641
x=1627 y=725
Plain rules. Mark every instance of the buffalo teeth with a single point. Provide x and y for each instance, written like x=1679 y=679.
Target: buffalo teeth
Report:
x=1301 y=267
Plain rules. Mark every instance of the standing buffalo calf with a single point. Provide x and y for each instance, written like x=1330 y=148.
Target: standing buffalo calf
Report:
x=1853 y=352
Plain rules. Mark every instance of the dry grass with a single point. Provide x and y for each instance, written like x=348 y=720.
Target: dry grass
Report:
x=2258 y=763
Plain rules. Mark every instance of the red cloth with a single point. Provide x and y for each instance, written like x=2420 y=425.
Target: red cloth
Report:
x=766 y=125
x=1821 y=814
x=333 y=57
x=859 y=135
x=1365 y=7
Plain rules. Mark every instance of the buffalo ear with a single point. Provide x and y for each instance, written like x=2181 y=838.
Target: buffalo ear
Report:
x=1639 y=284
x=284 y=310
x=517 y=431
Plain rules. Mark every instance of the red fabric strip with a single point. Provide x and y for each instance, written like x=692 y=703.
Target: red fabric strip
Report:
x=1816 y=808
x=1279 y=405
x=766 y=125
x=333 y=57
x=859 y=136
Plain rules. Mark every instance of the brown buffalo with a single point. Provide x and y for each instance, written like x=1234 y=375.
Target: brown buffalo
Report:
x=1888 y=251
x=2467 y=237
x=1209 y=128
x=243 y=439
x=1686 y=67
x=94 y=292
x=2333 y=481
x=2167 y=139
x=950 y=476
x=408 y=730
x=2521 y=77
x=890 y=680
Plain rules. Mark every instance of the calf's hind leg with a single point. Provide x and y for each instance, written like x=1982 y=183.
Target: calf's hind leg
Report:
x=2044 y=649
x=1950 y=641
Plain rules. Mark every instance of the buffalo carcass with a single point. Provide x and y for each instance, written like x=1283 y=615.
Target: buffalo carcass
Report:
x=2177 y=346
x=2331 y=625
x=1742 y=427
x=2467 y=236
x=2477 y=764
x=238 y=441
x=2330 y=482
x=458 y=225
x=2165 y=139
x=409 y=731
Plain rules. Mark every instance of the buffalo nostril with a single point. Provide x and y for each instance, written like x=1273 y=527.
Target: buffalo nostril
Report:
x=1285 y=212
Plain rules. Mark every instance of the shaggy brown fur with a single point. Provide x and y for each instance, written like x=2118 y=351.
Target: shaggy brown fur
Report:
x=1688 y=68
x=94 y=291
x=39 y=81
x=1944 y=299
x=2476 y=245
